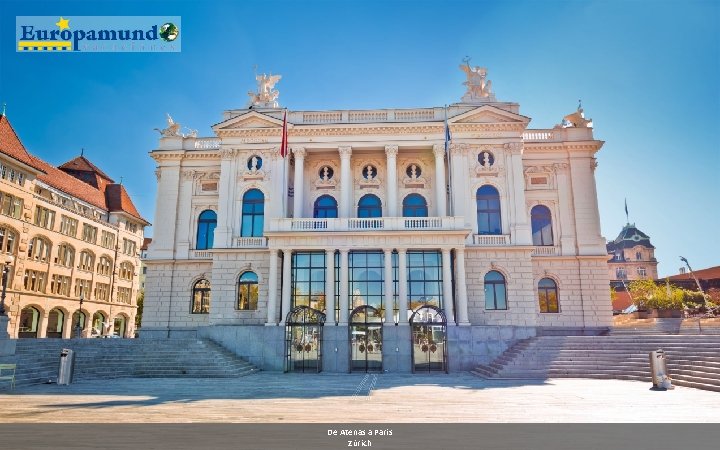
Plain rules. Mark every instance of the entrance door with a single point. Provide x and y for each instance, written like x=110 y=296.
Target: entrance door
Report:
x=29 y=320
x=303 y=339
x=429 y=339
x=365 y=339
x=56 y=320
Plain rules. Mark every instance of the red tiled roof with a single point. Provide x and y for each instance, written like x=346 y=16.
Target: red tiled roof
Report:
x=82 y=164
x=11 y=146
x=119 y=200
x=702 y=274
x=70 y=185
x=622 y=300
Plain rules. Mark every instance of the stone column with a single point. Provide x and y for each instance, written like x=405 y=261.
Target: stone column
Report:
x=584 y=195
x=440 y=185
x=287 y=261
x=344 y=313
x=272 y=289
x=403 y=301
x=278 y=189
x=330 y=287
x=185 y=235
x=299 y=153
x=226 y=199
x=168 y=176
x=43 y=323
x=346 y=182
x=389 y=300
x=67 y=331
x=462 y=312
x=461 y=194
x=447 y=287
x=564 y=228
x=520 y=233
x=392 y=180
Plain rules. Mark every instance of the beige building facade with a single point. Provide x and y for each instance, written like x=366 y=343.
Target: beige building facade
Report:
x=389 y=239
x=632 y=256
x=67 y=234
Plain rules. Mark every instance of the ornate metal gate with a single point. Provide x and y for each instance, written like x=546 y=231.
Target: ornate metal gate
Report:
x=365 y=339
x=303 y=339
x=429 y=339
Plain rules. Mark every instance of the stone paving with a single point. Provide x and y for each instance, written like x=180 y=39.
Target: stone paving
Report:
x=382 y=398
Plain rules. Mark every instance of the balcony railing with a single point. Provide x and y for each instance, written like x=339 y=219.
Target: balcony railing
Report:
x=545 y=250
x=250 y=242
x=368 y=224
x=200 y=254
x=491 y=239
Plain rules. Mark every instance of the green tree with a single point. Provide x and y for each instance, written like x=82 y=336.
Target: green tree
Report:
x=138 y=315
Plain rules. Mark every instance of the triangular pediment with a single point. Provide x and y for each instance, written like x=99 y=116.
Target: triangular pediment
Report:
x=489 y=114
x=249 y=120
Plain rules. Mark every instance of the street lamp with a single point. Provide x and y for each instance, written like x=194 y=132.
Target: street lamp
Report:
x=6 y=269
x=78 y=328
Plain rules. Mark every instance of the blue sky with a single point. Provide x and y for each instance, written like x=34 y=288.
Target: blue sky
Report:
x=647 y=72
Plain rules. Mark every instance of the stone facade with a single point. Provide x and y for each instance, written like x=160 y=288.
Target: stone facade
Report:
x=541 y=226
x=66 y=232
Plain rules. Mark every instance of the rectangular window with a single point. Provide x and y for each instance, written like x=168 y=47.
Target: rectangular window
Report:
x=34 y=281
x=129 y=247
x=68 y=226
x=124 y=295
x=424 y=269
x=60 y=285
x=620 y=273
x=102 y=291
x=44 y=217
x=89 y=233
x=307 y=280
x=10 y=205
x=82 y=288
x=642 y=273
x=366 y=279
x=130 y=226
x=107 y=239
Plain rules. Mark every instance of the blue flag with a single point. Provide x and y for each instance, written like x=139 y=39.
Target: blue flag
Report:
x=447 y=134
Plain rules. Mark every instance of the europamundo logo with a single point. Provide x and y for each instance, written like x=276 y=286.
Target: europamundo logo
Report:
x=97 y=34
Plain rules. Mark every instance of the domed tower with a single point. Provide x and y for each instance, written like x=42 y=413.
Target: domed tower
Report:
x=632 y=256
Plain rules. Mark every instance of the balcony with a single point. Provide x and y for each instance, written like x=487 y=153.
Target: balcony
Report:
x=368 y=224
x=491 y=240
x=200 y=254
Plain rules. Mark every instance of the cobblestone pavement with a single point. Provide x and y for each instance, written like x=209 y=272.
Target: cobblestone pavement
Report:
x=381 y=398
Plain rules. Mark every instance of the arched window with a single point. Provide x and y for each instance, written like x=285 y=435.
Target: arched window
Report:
x=39 y=249
x=104 y=266
x=56 y=320
x=541 y=220
x=247 y=291
x=325 y=207
x=369 y=206
x=8 y=237
x=488 y=210
x=207 y=221
x=201 y=297
x=495 y=291
x=127 y=270
x=253 y=213
x=548 y=296
x=86 y=261
x=98 y=324
x=414 y=205
x=29 y=322
x=66 y=255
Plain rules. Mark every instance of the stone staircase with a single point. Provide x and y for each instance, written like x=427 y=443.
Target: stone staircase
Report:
x=693 y=360
x=38 y=360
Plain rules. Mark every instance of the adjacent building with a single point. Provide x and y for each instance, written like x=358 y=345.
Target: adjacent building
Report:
x=69 y=240
x=632 y=256
x=389 y=239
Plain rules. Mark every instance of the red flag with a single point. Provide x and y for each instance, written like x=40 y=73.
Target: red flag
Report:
x=284 y=143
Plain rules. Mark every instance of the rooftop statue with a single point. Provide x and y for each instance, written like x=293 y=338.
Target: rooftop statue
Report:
x=479 y=88
x=576 y=119
x=173 y=129
x=266 y=96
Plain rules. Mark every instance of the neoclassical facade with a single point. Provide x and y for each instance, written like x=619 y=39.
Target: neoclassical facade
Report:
x=67 y=233
x=390 y=239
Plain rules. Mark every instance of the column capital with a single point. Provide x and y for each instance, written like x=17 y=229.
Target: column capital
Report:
x=445 y=250
x=401 y=251
x=560 y=167
x=299 y=152
x=344 y=251
x=515 y=148
x=439 y=150
x=459 y=149
x=228 y=153
x=345 y=152
x=460 y=250
x=391 y=150
x=330 y=251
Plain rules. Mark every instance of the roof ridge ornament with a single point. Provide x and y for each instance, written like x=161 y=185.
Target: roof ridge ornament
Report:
x=266 y=96
x=479 y=88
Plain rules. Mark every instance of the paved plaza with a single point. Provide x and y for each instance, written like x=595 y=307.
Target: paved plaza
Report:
x=381 y=398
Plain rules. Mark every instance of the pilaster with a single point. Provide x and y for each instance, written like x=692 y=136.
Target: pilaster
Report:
x=346 y=182
x=440 y=184
x=299 y=153
x=392 y=180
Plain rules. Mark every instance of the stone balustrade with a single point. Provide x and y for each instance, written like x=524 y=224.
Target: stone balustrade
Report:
x=491 y=239
x=546 y=250
x=368 y=224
